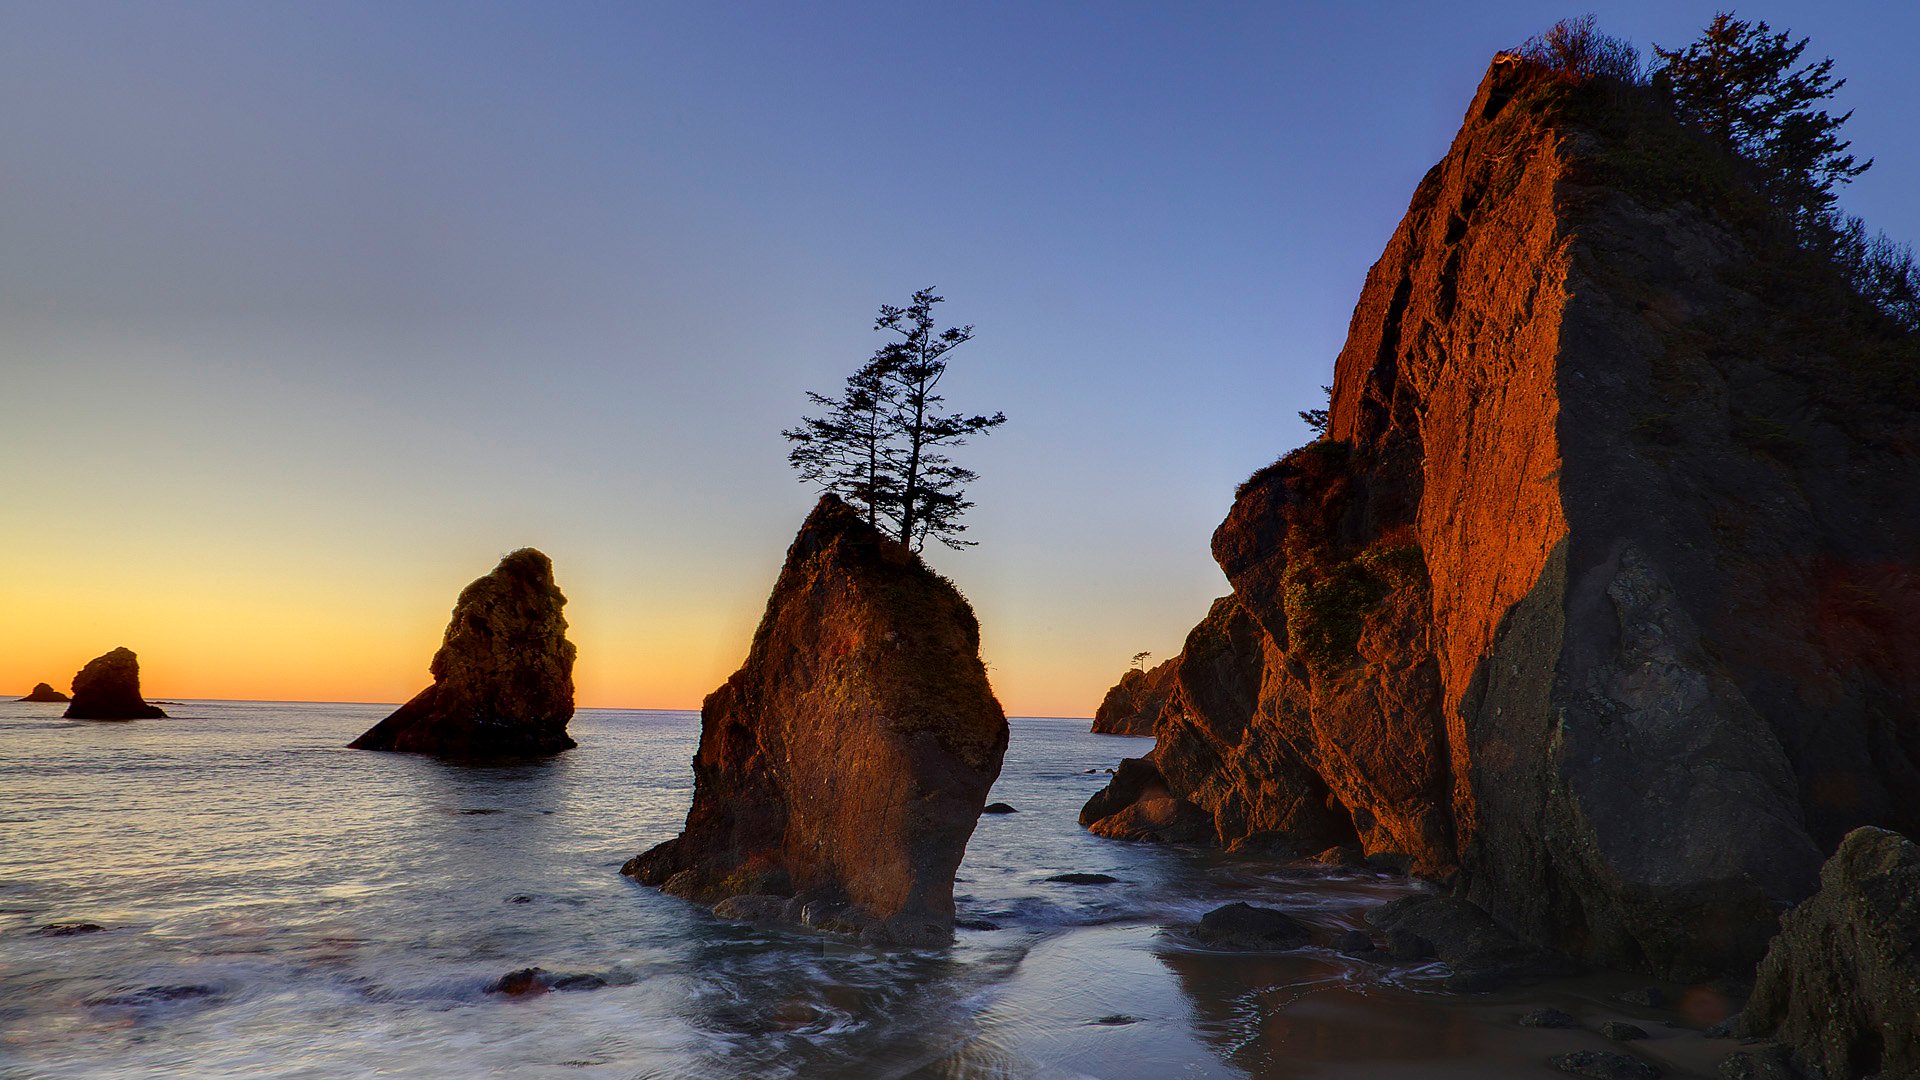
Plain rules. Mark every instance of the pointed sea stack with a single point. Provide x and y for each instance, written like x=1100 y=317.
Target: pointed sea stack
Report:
x=1598 y=595
x=108 y=688
x=503 y=678
x=843 y=767
x=1134 y=703
x=44 y=692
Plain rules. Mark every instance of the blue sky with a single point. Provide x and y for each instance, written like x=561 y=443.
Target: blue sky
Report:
x=309 y=312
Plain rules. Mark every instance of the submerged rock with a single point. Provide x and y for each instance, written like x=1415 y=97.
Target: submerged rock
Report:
x=1483 y=955
x=503 y=678
x=529 y=981
x=1548 y=1017
x=1597 y=591
x=1840 y=986
x=108 y=688
x=842 y=769
x=999 y=808
x=1133 y=704
x=1244 y=926
x=43 y=692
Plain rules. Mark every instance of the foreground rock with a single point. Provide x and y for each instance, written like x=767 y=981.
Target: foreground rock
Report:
x=1840 y=986
x=43 y=692
x=842 y=769
x=1244 y=926
x=503 y=678
x=1133 y=704
x=108 y=688
x=1595 y=597
x=1483 y=955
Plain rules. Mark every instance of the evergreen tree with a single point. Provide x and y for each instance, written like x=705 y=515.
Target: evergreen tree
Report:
x=1739 y=83
x=882 y=443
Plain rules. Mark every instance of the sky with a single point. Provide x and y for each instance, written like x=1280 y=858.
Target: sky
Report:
x=310 y=312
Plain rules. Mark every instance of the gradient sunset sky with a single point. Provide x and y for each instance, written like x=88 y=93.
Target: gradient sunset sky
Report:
x=311 y=312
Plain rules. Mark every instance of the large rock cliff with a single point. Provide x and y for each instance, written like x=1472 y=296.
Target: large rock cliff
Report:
x=108 y=688
x=1598 y=595
x=1133 y=704
x=841 y=770
x=503 y=678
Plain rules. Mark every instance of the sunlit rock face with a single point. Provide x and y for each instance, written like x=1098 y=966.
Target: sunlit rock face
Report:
x=44 y=692
x=1598 y=597
x=841 y=770
x=503 y=678
x=1841 y=984
x=108 y=688
x=1134 y=703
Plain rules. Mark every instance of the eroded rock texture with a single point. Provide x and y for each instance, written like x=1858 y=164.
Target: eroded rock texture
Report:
x=1841 y=984
x=842 y=769
x=108 y=688
x=44 y=692
x=503 y=678
x=1598 y=596
x=1134 y=703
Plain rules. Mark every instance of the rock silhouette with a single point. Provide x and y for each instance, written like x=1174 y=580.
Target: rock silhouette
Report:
x=1597 y=595
x=842 y=769
x=503 y=677
x=108 y=688
x=44 y=692
x=1134 y=703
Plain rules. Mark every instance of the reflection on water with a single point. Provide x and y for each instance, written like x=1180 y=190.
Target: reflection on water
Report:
x=271 y=904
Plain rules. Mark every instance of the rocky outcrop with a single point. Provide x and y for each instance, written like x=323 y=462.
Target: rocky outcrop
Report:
x=1840 y=986
x=44 y=692
x=1597 y=596
x=108 y=688
x=503 y=678
x=842 y=769
x=1133 y=704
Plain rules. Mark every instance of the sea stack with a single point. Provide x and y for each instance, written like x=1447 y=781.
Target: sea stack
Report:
x=1596 y=595
x=108 y=688
x=1134 y=703
x=503 y=678
x=44 y=692
x=842 y=769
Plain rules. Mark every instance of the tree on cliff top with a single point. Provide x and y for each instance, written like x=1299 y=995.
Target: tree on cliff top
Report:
x=1739 y=83
x=881 y=444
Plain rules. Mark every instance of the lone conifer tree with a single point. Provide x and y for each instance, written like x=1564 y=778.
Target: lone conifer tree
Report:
x=882 y=443
x=1738 y=82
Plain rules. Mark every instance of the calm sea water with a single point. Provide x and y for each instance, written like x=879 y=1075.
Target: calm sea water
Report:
x=273 y=904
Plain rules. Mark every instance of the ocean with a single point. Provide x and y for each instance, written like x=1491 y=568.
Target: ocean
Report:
x=271 y=904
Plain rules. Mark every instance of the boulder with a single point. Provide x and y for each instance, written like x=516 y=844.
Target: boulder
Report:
x=1595 y=598
x=1245 y=926
x=43 y=692
x=108 y=688
x=1840 y=986
x=842 y=769
x=1134 y=703
x=503 y=678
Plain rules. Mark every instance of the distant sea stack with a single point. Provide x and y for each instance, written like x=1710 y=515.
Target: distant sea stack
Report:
x=503 y=678
x=43 y=692
x=842 y=769
x=1597 y=594
x=108 y=688
x=1134 y=703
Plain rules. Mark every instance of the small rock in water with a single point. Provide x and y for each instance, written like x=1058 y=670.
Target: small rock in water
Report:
x=516 y=983
x=1549 y=1018
x=1084 y=879
x=1622 y=1032
x=522 y=898
x=579 y=982
x=999 y=808
x=154 y=995
x=1357 y=943
x=1116 y=1020
x=69 y=929
x=1604 y=1065
x=976 y=924
x=1648 y=997
x=1244 y=926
